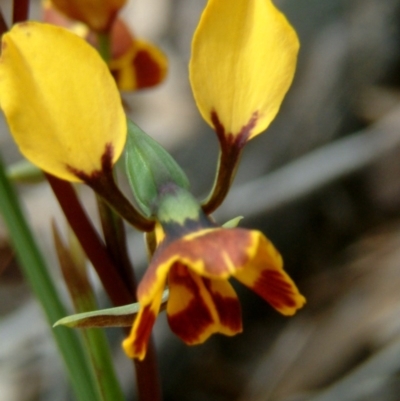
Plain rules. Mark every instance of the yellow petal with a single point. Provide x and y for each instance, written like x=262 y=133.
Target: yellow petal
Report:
x=135 y=345
x=214 y=255
x=264 y=275
x=155 y=276
x=60 y=101
x=97 y=14
x=243 y=60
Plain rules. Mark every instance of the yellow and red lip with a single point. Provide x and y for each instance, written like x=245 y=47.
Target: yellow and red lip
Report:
x=202 y=302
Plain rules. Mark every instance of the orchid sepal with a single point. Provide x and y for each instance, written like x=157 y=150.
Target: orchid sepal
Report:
x=63 y=109
x=149 y=168
x=121 y=316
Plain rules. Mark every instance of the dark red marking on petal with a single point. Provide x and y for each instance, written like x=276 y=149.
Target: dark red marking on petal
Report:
x=106 y=167
x=107 y=158
x=116 y=74
x=218 y=127
x=143 y=331
x=189 y=323
x=233 y=139
x=272 y=286
x=228 y=308
x=148 y=71
x=231 y=146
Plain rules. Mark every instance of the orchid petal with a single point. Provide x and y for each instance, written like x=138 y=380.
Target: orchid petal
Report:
x=142 y=66
x=243 y=61
x=135 y=345
x=227 y=305
x=264 y=275
x=60 y=101
x=198 y=307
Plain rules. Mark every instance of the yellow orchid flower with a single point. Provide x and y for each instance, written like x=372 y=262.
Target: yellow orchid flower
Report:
x=195 y=260
x=98 y=15
x=64 y=111
x=143 y=65
x=61 y=103
x=243 y=61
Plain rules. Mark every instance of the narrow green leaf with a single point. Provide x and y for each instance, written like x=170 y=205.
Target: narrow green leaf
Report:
x=73 y=266
x=121 y=316
x=35 y=271
x=25 y=172
x=233 y=223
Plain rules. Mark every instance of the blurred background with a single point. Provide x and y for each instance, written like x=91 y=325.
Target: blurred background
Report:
x=323 y=183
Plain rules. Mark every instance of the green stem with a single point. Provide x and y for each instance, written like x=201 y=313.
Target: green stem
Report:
x=35 y=270
x=104 y=45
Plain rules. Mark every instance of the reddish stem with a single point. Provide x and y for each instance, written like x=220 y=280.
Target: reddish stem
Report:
x=227 y=166
x=231 y=147
x=90 y=241
x=3 y=24
x=115 y=241
x=147 y=375
x=20 y=11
